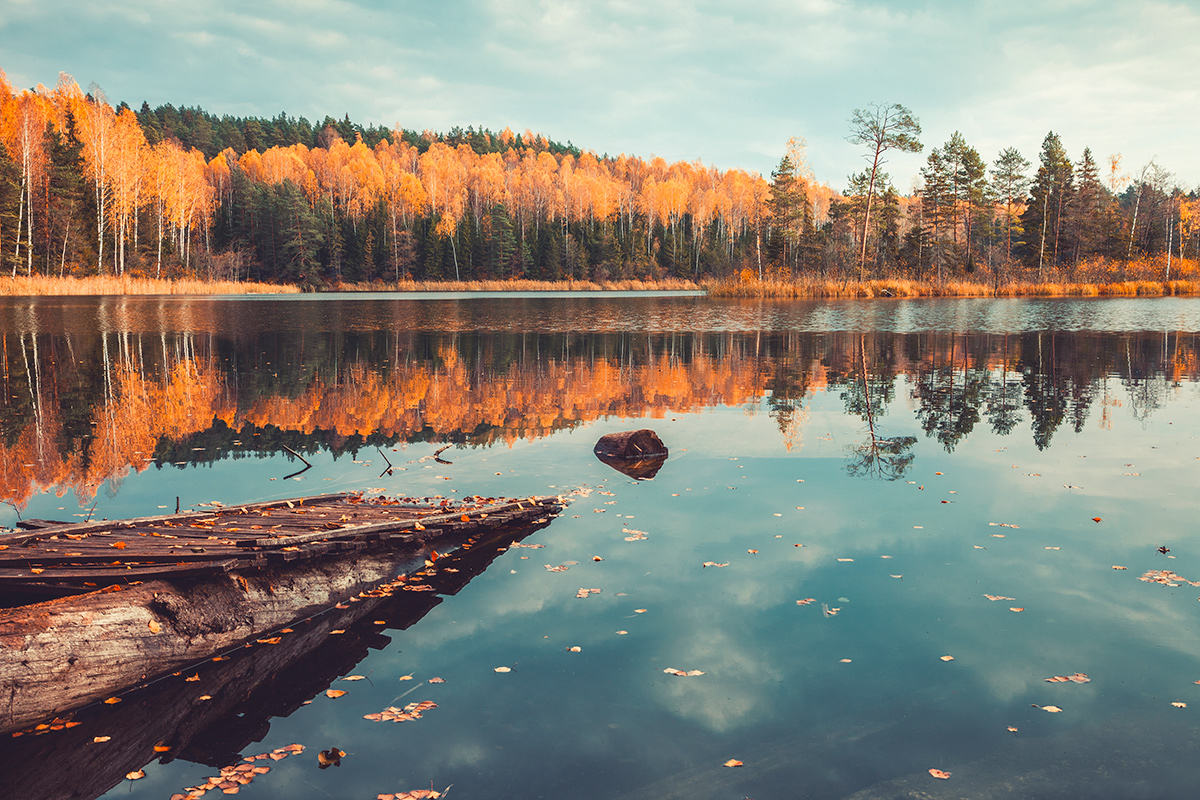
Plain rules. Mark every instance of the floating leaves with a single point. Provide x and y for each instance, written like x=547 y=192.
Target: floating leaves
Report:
x=437 y=680
x=1078 y=677
x=733 y=762
x=692 y=673
x=574 y=649
x=409 y=712
x=1165 y=577
x=1096 y=519
x=133 y=776
x=235 y=776
x=1119 y=567
x=112 y=701
x=582 y=593
x=334 y=693
x=941 y=774
x=354 y=678
x=632 y=535
x=560 y=567
x=806 y=601
x=330 y=758
x=1179 y=704
x=502 y=669
x=415 y=794
x=946 y=658
x=995 y=597
x=714 y=564
x=1051 y=709
x=1016 y=609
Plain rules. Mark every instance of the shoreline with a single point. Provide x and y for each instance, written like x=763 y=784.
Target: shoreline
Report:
x=794 y=289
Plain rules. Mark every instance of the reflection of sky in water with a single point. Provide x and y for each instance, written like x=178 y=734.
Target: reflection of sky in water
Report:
x=606 y=722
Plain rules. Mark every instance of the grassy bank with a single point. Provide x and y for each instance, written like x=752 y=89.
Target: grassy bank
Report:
x=1097 y=278
x=665 y=285
x=110 y=284
x=818 y=288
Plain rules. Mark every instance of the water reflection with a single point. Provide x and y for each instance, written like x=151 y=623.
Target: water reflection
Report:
x=82 y=409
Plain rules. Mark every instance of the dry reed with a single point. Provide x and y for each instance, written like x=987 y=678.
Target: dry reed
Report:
x=664 y=285
x=111 y=284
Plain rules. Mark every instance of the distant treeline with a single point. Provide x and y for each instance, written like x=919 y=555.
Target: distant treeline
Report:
x=89 y=189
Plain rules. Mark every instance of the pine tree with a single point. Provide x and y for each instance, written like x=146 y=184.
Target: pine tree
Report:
x=1050 y=198
x=1010 y=181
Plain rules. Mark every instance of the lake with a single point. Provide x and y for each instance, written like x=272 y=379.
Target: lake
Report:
x=932 y=531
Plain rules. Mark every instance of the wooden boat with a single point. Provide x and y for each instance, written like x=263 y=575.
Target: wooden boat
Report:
x=184 y=587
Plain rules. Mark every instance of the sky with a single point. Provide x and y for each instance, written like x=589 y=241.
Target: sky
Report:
x=721 y=82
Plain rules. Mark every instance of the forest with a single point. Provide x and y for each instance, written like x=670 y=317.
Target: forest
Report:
x=89 y=189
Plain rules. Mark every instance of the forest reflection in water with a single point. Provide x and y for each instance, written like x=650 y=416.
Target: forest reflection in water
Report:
x=83 y=409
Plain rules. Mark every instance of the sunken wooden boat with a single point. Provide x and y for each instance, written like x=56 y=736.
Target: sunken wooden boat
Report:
x=135 y=599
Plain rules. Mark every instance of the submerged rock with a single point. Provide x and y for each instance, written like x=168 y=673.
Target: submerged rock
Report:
x=639 y=454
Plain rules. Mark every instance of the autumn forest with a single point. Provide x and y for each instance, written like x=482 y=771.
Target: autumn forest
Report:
x=89 y=189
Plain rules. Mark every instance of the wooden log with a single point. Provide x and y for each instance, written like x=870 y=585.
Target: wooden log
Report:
x=64 y=653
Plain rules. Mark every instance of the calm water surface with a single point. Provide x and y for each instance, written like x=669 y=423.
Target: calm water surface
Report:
x=862 y=476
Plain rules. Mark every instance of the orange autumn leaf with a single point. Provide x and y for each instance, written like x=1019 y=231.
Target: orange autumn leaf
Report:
x=334 y=692
x=112 y=701
x=133 y=776
x=937 y=773
x=119 y=545
x=733 y=762
x=1096 y=519
x=161 y=748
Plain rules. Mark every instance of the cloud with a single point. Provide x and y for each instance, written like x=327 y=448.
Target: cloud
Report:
x=711 y=80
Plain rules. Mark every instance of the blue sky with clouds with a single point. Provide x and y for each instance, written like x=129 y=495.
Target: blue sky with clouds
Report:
x=723 y=82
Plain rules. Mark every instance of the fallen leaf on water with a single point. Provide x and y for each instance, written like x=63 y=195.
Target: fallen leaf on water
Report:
x=844 y=661
x=994 y=597
x=733 y=762
x=1117 y=567
x=626 y=633
x=946 y=658
x=895 y=576
x=437 y=680
x=691 y=673
x=334 y=692
x=503 y=669
x=1051 y=709
x=597 y=558
x=586 y=592
x=806 y=601
x=112 y=701
x=574 y=649
x=752 y=551
x=714 y=564
x=1178 y=704
x=101 y=739
x=1012 y=729
x=355 y=678
x=133 y=776
x=1096 y=519
x=1053 y=548
x=1016 y=609
x=845 y=559
x=937 y=773
x=406 y=677
x=639 y=611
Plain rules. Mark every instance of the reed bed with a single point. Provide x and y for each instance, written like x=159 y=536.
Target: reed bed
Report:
x=1099 y=278
x=664 y=285
x=125 y=284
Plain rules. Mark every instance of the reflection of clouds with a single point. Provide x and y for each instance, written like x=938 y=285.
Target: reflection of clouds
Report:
x=732 y=693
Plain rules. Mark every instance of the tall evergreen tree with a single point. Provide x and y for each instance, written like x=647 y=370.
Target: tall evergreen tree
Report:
x=1010 y=182
x=1049 y=200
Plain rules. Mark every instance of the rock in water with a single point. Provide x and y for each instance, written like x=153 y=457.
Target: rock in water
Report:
x=638 y=454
